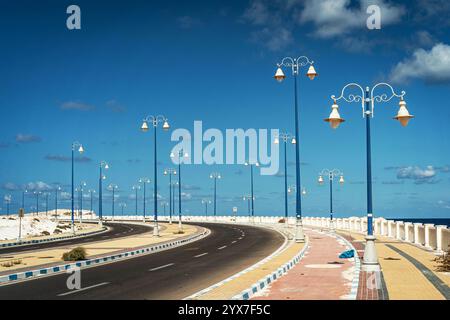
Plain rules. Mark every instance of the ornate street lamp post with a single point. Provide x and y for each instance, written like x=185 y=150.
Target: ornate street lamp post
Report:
x=367 y=100
x=251 y=187
x=113 y=187
x=180 y=156
x=155 y=121
x=331 y=175
x=144 y=182
x=103 y=164
x=136 y=188
x=285 y=137
x=215 y=176
x=296 y=64
x=75 y=145
x=170 y=172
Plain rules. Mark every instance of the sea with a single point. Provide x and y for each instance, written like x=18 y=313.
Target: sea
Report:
x=435 y=221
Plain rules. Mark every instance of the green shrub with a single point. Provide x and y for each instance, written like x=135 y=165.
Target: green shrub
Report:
x=45 y=233
x=443 y=262
x=76 y=254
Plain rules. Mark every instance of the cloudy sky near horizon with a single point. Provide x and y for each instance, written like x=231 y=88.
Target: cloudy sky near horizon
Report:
x=215 y=62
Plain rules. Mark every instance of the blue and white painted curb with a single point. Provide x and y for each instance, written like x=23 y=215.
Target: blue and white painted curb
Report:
x=49 y=240
x=267 y=280
x=107 y=259
x=356 y=272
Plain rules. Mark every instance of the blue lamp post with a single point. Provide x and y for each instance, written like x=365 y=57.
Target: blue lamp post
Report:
x=285 y=137
x=113 y=187
x=122 y=205
x=170 y=172
x=91 y=192
x=256 y=164
x=215 y=176
x=155 y=121
x=248 y=198
x=367 y=100
x=80 y=200
x=101 y=177
x=296 y=64
x=37 y=193
x=331 y=175
x=144 y=182
x=75 y=145
x=206 y=202
x=57 y=189
x=180 y=155
x=136 y=188
x=23 y=198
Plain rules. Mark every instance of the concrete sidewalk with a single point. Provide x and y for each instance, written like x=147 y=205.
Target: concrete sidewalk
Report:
x=403 y=279
x=321 y=275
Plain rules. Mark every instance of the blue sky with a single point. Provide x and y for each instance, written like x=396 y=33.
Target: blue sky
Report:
x=215 y=62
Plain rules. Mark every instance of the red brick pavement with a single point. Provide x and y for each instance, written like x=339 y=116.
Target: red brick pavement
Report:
x=320 y=275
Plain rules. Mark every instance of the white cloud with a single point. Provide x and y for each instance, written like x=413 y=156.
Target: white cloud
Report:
x=418 y=174
x=38 y=186
x=432 y=66
x=337 y=17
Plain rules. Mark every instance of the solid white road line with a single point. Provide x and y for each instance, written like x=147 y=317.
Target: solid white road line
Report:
x=162 y=267
x=223 y=247
x=201 y=255
x=82 y=289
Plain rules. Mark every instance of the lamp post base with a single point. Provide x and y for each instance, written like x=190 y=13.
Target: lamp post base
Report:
x=170 y=221
x=180 y=226
x=156 y=229
x=332 y=227
x=100 y=223
x=370 y=261
x=73 y=227
x=299 y=235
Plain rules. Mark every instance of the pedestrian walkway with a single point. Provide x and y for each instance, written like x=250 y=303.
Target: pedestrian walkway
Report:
x=320 y=275
x=408 y=272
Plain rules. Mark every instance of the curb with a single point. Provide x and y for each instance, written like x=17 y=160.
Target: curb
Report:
x=28 y=242
x=261 y=284
x=216 y=285
x=96 y=261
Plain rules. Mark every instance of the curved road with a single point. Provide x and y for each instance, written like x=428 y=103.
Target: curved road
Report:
x=116 y=231
x=172 y=274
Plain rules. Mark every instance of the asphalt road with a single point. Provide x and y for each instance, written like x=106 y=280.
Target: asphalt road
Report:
x=116 y=231
x=172 y=274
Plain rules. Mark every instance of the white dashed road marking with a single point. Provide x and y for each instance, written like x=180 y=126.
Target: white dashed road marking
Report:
x=201 y=255
x=223 y=247
x=162 y=267
x=83 y=289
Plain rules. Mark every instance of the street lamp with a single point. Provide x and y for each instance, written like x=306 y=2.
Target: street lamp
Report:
x=113 y=187
x=251 y=187
x=136 y=188
x=37 y=193
x=23 y=198
x=248 y=198
x=80 y=200
x=331 y=175
x=75 y=145
x=174 y=186
x=144 y=181
x=101 y=177
x=285 y=137
x=206 y=202
x=155 y=121
x=367 y=100
x=215 y=176
x=57 y=189
x=170 y=172
x=295 y=64
x=91 y=192
x=181 y=154
x=164 y=205
x=122 y=205
x=46 y=203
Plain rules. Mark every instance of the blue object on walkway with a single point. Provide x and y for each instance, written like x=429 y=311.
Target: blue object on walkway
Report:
x=347 y=254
